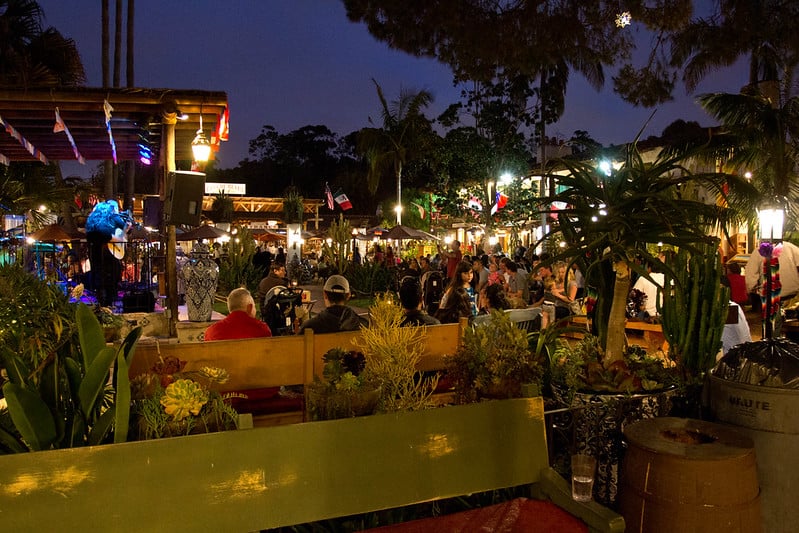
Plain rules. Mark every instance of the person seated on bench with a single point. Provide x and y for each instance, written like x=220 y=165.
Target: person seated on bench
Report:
x=410 y=294
x=336 y=316
x=241 y=322
x=277 y=276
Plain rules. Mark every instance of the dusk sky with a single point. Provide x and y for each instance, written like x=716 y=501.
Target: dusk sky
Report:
x=291 y=63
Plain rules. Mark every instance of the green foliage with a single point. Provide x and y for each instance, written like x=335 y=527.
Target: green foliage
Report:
x=222 y=208
x=613 y=220
x=580 y=366
x=293 y=208
x=36 y=319
x=368 y=278
x=346 y=390
x=392 y=355
x=169 y=402
x=695 y=310
x=64 y=403
x=494 y=359
x=337 y=252
x=237 y=269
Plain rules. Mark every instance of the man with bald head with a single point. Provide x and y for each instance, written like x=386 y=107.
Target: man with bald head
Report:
x=240 y=322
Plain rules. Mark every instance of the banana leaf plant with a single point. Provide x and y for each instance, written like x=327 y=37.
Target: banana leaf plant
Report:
x=64 y=402
x=609 y=221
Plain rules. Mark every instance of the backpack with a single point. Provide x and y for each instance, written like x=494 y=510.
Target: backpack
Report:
x=433 y=287
x=279 y=310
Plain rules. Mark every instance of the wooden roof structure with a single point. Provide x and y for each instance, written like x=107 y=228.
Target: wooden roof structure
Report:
x=137 y=115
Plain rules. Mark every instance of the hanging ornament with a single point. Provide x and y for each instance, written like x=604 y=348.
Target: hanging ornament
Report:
x=623 y=19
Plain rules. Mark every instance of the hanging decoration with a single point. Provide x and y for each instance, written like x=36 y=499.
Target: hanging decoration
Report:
x=35 y=152
x=60 y=126
x=4 y=160
x=221 y=132
x=107 y=109
x=623 y=19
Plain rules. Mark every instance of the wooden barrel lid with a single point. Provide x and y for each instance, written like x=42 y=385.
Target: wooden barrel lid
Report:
x=688 y=438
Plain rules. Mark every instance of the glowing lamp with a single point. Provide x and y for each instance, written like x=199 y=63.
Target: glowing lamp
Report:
x=771 y=219
x=200 y=147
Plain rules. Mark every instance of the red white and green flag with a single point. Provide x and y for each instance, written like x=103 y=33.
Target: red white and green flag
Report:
x=342 y=200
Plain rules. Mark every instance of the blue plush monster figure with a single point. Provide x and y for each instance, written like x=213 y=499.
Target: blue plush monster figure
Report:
x=105 y=223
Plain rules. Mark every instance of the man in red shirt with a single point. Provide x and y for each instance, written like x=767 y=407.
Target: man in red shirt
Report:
x=453 y=257
x=241 y=322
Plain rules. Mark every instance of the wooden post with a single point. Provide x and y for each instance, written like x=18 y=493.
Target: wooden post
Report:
x=170 y=258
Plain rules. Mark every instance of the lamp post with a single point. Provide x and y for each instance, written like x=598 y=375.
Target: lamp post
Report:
x=770 y=218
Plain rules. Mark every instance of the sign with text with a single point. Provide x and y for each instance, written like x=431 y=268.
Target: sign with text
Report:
x=226 y=188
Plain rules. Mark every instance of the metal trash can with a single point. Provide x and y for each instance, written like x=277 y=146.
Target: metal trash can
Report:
x=755 y=387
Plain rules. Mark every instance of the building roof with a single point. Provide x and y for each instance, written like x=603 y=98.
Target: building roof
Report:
x=137 y=114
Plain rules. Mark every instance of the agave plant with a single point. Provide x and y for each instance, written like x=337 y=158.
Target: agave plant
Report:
x=612 y=219
x=63 y=402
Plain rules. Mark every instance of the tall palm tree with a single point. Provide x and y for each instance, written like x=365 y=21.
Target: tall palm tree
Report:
x=387 y=148
x=611 y=220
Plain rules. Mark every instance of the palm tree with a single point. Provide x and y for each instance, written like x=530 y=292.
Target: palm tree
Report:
x=388 y=148
x=33 y=56
x=762 y=29
x=611 y=220
x=761 y=136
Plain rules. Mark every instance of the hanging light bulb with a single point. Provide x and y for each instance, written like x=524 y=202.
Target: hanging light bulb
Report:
x=200 y=146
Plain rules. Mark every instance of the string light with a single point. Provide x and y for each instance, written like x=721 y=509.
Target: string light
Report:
x=623 y=19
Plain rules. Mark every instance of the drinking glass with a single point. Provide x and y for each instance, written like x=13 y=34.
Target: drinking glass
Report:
x=583 y=468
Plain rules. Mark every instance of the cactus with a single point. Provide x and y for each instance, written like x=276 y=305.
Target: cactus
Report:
x=694 y=309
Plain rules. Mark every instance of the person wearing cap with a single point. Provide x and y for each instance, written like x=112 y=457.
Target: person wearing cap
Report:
x=336 y=316
x=410 y=294
x=240 y=322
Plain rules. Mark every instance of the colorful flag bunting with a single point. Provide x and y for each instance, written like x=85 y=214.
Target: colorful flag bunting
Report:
x=35 y=152
x=60 y=126
x=107 y=109
x=342 y=200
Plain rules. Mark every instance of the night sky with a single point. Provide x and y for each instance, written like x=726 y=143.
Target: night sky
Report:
x=291 y=63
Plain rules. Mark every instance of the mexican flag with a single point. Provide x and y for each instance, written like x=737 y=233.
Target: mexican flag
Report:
x=342 y=200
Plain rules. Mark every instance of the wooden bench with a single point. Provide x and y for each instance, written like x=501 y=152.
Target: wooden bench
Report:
x=652 y=333
x=268 y=363
x=254 y=479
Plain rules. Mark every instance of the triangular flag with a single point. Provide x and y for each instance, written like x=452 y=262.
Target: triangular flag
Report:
x=342 y=200
x=419 y=208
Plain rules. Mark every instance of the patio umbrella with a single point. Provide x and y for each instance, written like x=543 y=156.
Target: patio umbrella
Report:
x=54 y=233
x=203 y=232
x=268 y=235
x=404 y=233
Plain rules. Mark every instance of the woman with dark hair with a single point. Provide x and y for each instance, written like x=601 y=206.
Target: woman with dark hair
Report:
x=494 y=298
x=459 y=299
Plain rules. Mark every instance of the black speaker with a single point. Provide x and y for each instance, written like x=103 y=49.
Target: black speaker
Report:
x=153 y=209
x=184 y=197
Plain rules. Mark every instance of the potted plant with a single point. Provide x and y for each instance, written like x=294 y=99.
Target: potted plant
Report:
x=612 y=222
x=169 y=401
x=345 y=391
x=392 y=354
x=495 y=361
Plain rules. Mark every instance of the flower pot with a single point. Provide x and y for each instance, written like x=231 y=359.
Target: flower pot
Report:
x=325 y=404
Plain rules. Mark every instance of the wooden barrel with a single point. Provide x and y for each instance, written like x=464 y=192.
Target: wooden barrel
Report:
x=689 y=476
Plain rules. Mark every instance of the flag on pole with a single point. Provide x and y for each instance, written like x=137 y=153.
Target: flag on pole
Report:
x=329 y=197
x=342 y=200
x=501 y=201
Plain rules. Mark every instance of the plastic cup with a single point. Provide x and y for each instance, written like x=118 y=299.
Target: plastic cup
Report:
x=583 y=468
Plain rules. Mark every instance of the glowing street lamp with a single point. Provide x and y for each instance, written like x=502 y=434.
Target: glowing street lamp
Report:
x=771 y=218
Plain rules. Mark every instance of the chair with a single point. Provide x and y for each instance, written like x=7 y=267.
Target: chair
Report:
x=528 y=319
